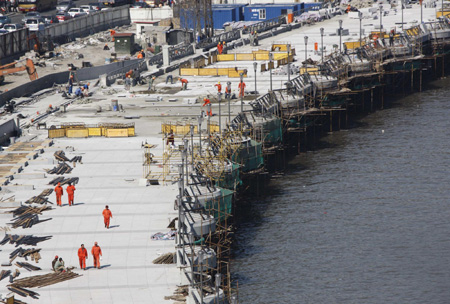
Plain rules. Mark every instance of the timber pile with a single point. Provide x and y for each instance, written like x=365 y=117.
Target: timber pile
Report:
x=167 y=258
x=61 y=156
x=33 y=253
x=23 y=239
x=61 y=169
x=4 y=274
x=45 y=279
x=46 y=192
x=27 y=266
x=23 y=292
x=180 y=294
x=63 y=181
x=38 y=200
x=23 y=210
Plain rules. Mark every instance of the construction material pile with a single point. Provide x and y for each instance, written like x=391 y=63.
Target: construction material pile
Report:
x=62 y=168
x=23 y=239
x=33 y=253
x=167 y=258
x=63 y=181
x=45 y=279
x=4 y=274
x=26 y=221
x=23 y=292
x=61 y=156
x=41 y=198
x=23 y=210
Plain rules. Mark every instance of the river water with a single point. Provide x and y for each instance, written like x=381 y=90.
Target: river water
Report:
x=364 y=219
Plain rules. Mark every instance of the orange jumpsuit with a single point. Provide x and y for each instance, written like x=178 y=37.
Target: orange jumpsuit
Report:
x=82 y=255
x=59 y=192
x=184 y=82
x=107 y=215
x=219 y=87
x=207 y=102
x=241 y=87
x=96 y=253
x=70 y=192
x=220 y=48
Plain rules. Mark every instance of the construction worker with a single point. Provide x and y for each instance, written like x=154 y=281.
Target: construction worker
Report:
x=59 y=192
x=228 y=90
x=219 y=87
x=219 y=48
x=207 y=104
x=82 y=255
x=54 y=262
x=375 y=39
x=112 y=33
x=60 y=266
x=150 y=82
x=70 y=84
x=70 y=193
x=170 y=139
x=128 y=83
x=96 y=254
x=241 y=88
x=107 y=215
x=184 y=83
x=140 y=56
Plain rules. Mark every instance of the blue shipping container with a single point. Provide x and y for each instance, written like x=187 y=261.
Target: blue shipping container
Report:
x=312 y=6
x=223 y=15
x=262 y=12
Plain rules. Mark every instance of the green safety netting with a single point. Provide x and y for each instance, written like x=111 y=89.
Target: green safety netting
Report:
x=273 y=131
x=230 y=180
x=221 y=207
x=249 y=156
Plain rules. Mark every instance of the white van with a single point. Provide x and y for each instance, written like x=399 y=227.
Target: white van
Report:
x=34 y=25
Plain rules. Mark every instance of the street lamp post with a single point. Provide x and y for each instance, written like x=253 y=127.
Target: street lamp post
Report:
x=402 y=14
x=288 y=62
x=306 y=54
x=200 y=121
x=229 y=101
x=270 y=69
x=381 y=19
x=442 y=9
x=220 y=112
x=421 y=11
x=360 y=15
x=340 y=35
x=217 y=283
x=255 y=67
x=321 y=41
x=242 y=97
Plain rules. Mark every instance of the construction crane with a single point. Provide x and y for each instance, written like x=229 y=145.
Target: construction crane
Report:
x=11 y=68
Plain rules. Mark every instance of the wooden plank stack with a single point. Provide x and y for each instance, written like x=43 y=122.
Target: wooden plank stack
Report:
x=23 y=239
x=61 y=156
x=63 y=181
x=27 y=266
x=23 y=292
x=45 y=279
x=23 y=210
x=167 y=258
x=33 y=253
x=62 y=168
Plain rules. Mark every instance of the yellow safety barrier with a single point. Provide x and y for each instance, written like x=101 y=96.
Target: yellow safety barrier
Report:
x=262 y=56
x=245 y=57
x=312 y=71
x=230 y=72
x=116 y=132
x=188 y=72
x=95 y=131
x=225 y=57
x=207 y=72
x=354 y=45
x=178 y=129
x=214 y=128
x=439 y=13
x=56 y=133
x=77 y=133
x=281 y=47
x=278 y=56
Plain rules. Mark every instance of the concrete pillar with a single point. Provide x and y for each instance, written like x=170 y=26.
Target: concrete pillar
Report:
x=103 y=81
x=166 y=57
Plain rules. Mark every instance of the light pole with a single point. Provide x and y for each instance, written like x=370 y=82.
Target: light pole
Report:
x=321 y=41
x=402 y=14
x=270 y=69
x=442 y=9
x=255 y=67
x=242 y=97
x=200 y=120
x=288 y=62
x=340 y=36
x=218 y=282
x=360 y=15
x=421 y=12
x=306 y=53
x=381 y=19
x=229 y=101
x=220 y=112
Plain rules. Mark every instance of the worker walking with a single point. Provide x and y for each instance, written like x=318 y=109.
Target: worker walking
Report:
x=59 y=192
x=107 y=215
x=70 y=193
x=82 y=255
x=219 y=87
x=207 y=104
x=219 y=48
x=96 y=254
x=184 y=83
x=241 y=87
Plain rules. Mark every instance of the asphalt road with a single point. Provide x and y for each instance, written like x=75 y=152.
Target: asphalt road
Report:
x=17 y=17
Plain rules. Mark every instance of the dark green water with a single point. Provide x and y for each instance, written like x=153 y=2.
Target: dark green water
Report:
x=365 y=220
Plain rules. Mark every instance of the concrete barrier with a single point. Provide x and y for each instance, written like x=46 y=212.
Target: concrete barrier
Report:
x=150 y=14
x=12 y=44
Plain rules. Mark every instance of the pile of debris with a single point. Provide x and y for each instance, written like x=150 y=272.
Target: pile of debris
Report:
x=23 y=239
x=61 y=169
x=63 y=181
x=26 y=221
x=61 y=156
x=33 y=253
x=27 y=266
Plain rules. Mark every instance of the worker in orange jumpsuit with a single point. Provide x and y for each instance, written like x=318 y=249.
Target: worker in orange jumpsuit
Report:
x=228 y=90
x=112 y=33
x=207 y=103
x=220 y=48
x=82 y=255
x=184 y=83
x=219 y=87
x=59 y=192
x=96 y=253
x=107 y=215
x=241 y=87
x=70 y=193
x=140 y=56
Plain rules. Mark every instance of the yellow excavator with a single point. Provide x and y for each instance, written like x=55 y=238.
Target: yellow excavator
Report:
x=12 y=68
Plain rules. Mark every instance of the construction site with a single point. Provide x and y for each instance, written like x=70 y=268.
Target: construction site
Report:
x=172 y=161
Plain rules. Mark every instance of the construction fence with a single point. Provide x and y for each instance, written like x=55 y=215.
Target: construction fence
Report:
x=229 y=72
x=80 y=130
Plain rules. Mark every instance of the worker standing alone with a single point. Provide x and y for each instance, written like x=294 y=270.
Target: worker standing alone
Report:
x=241 y=87
x=184 y=83
x=219 y=87
x=207 y=104
x=70 y=193
x=82 y=255
x=59 y=192
x=107 y=215
x=96 y=254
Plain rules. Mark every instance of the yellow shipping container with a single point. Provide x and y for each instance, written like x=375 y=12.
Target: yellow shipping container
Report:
x=77 y=133
x=95 y=131
x=116 y=132
x=56 y=133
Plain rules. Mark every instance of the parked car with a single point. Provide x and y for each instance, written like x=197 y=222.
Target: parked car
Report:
x=140 y=5
x=4 y=20
x=63 y=16
x=11 y=27
x=50 y=19
x=88 y=9
x=64 y=6
x=76 y=12
x=30 y=15
x=2 y=31
x=95 y=6
x=37 y=24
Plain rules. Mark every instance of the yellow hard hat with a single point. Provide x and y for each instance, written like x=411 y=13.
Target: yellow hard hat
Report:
x=219 y=82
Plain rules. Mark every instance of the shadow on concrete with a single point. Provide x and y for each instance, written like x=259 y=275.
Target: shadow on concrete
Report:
x=114 y=226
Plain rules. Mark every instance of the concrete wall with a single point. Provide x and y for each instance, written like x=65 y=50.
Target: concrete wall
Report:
x=150 y=14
